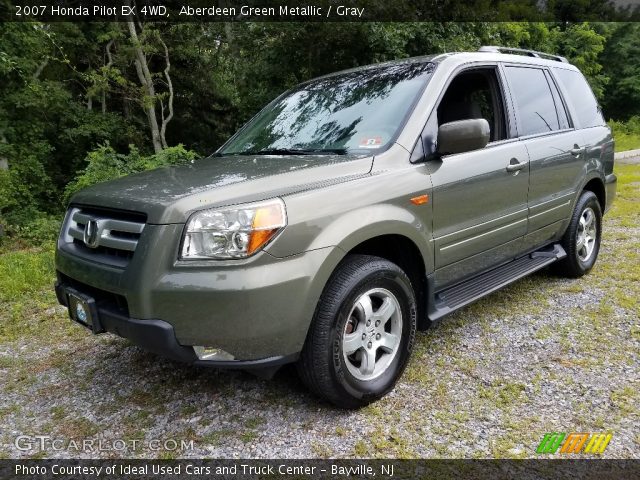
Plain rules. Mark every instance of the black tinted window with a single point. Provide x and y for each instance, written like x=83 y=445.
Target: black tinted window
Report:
x=581 y=97
x=531 y=93
x=474 y=94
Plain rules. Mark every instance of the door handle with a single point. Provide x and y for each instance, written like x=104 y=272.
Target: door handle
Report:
x=515 y=165
x=576 y=151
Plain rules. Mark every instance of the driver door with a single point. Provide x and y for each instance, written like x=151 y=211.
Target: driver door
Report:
x=480 y=196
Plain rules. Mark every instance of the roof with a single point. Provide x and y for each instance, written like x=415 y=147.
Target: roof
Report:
x=494 y=54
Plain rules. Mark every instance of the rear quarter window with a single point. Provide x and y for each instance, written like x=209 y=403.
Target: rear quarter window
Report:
x=531 y=93
x=581 y=98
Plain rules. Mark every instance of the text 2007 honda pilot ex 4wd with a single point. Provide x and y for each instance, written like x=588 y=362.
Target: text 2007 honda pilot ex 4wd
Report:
x=351 y=211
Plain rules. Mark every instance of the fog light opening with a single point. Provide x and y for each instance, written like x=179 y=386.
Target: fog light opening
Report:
x=81 y=313
x=211 y=353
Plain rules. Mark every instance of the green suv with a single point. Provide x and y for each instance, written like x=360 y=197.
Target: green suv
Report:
x=350 y=212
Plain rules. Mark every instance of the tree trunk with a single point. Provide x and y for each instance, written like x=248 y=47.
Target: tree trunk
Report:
x=40 y=68
x=238 y=80
x=144 y=75
x=103 y=99
x=4 y=163
x=166 y=120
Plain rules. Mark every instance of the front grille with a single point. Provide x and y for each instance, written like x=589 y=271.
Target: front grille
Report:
x=105 y=236
x=101 y=251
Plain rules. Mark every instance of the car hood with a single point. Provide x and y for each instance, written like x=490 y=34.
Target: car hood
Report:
x=168 y=195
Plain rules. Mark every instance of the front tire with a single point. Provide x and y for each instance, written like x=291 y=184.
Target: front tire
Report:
x=362 y=333
x=581 y=240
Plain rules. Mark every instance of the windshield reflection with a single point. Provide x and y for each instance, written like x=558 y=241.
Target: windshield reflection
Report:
x=351 y=112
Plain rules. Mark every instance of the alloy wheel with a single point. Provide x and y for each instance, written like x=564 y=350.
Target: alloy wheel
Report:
x=586 y=235
x=372 y=334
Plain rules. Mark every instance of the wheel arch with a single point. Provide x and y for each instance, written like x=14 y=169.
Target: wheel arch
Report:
x=397 y=248
x=402 y=251
x=596 y=185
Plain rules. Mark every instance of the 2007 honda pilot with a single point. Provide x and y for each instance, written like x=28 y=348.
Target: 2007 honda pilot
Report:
x=351 y=211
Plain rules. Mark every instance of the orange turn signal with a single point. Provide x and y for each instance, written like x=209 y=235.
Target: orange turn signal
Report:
x=266 y=223
x=258 y=238
x=420 y=200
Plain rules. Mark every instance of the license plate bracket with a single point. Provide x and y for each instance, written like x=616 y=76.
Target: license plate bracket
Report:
x=83 y=310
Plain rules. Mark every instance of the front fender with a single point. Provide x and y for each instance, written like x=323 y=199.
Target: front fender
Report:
x=344 y=232
x=351 y=228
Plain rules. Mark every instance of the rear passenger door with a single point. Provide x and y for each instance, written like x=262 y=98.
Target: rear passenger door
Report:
x=556 y=151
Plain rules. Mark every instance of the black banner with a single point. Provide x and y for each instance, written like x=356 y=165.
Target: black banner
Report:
x=601 y=469
x=318 y=10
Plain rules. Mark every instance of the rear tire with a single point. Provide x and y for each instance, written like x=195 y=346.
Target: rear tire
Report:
x=362 y=333
x=581 y=240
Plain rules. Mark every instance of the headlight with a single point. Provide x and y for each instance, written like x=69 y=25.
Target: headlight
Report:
x=232 y=232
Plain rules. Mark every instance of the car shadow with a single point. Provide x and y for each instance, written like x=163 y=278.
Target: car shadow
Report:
x=138 y=372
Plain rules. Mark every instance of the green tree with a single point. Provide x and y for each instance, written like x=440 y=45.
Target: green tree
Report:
x=622 y=93
x=583 y=45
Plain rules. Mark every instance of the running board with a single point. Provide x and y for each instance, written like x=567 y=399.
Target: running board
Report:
x=457 y=296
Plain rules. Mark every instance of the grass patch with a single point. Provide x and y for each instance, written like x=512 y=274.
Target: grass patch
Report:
x=626 y=205
x=321 y=450
x=254 y=422
x=249 y=436
x=502 y=393
x=627 y=141
x=10 y=410
x=79 y=428
x=27 y=297
x=390 y=444
x=25 y=273
x=188 y=410
x=360 y=449
x=216 y=437
x=626 y=134
x=626 y=399
x=341 y=431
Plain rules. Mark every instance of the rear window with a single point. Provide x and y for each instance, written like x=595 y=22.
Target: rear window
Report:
x=532 y=95
x=581 y=97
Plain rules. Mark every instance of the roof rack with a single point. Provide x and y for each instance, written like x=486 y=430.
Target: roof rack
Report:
x=531 y=53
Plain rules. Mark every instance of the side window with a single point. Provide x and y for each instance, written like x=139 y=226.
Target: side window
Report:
x=563 y=118
x=475 y=94
x=532 y=96
x=581 y=97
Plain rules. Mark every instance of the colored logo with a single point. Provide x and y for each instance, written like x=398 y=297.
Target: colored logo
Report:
x=575 y=442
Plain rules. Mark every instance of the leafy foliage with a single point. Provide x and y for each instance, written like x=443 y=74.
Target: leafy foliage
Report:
x=68 y=88
x=582 y=45
x=620 y=57
x=37 y=231
x=105 y=163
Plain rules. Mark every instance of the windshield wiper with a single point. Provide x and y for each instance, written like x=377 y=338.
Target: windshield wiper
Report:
x=338 y=151
x=292 y=151
x=280 y=151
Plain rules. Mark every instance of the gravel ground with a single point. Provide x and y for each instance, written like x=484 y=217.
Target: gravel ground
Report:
x=545 y=354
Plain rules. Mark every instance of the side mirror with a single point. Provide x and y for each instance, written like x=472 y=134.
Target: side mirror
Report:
x=463 y=136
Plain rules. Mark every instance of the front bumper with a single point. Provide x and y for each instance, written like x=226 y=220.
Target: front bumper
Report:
x=257 y=309
x=610 y=185
x=159 y=337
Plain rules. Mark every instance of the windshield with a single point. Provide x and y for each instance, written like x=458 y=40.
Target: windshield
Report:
x=354 y=112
